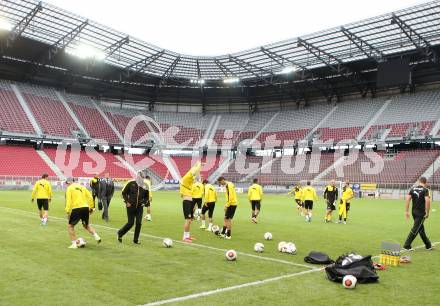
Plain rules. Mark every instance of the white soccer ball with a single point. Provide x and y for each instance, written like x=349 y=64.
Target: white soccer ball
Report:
x=349 y=282
x=290 y=248
x=259 y=247
x=268 y=236
x=215 y=229
x=281 y=245
x=80 y=242
x=167 y=242
x=231 y=255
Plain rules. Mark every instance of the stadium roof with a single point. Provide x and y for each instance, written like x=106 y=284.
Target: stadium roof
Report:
x=375 y=39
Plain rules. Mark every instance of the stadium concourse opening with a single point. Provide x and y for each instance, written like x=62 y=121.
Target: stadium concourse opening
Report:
x=117 y=123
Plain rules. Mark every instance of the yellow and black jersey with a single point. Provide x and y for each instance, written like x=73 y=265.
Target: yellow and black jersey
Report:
x=297 y=192
x=210 y=194
x=188 y=180
x=347 y=194
x=42 y=190
x=255 y=192
x=78 y=196
x=331 y=193
x=197 y=190
x=230 y=194
x=308 y=193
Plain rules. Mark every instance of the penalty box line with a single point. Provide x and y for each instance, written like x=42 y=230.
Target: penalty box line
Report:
x=196 y=245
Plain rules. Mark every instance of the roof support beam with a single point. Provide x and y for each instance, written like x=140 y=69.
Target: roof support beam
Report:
x=139 y=66
x=49 y=55
x=199 y=75
x=281 y=60
x=20 y=27
x=370 y=51
x=416 y=39
x=226 y=71
x=251 y=69
x=116 y=46
x=340 y=68
x=169 y=72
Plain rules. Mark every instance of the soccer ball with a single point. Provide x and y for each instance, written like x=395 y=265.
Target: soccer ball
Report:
x=80 y=242
x=215 y=229
x=281 y=245
x=349 y=282
x=231 y=255
x=167 y=242
x=268 y=236
x=290 y=248
x=259 y=247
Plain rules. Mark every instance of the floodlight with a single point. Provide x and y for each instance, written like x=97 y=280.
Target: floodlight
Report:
x=289 y=69
x=231 y=80
x=84 y=51
x=5 y=25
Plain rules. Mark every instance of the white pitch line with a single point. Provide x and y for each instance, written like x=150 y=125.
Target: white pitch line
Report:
x=180 y=242
x=225 y=289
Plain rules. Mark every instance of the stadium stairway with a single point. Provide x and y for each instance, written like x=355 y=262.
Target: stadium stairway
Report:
x=264 y=128
x=222 y=167
x=110 y=124
x=312 y=131
x=26 y=109
x=433 y=168
x=171 y=167
x=435 y=128
x=329 y=169
x=209 y=130
x=72 y=114
x=215 y=125
x=51 y=164
x=367 y=127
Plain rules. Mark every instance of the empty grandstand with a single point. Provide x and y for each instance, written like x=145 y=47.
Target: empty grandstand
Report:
x=282 y=128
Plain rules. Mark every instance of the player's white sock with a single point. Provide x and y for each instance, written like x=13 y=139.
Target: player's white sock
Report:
x=96 y=236
x=44 y=220
x=199 y=211
x=186 y=235
x=203 y=223
x=210 y=226
x=310 y=214
x=73 y=242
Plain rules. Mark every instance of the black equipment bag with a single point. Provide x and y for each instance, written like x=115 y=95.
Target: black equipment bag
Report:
x=359 y=266
x=318 y=258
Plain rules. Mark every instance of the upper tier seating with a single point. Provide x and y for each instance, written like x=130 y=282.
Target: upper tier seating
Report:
x=91 y=119
x=12 y=116
x=22 y=161
x=48 y=111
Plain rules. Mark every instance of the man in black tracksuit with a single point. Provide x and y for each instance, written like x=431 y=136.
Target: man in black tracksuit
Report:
x=136 y=195
x=421 y=203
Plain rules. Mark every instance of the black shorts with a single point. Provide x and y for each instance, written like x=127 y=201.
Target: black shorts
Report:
x=78 y=214
x=188 y=209
x=308 y=204
x=299 y=203
x=256 y=204
x=209 y=207
x=230 y=212
x=43 y=204
x=198 y=202
x=331 y=205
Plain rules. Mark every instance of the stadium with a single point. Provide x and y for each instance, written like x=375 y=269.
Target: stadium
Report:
x=354 y=107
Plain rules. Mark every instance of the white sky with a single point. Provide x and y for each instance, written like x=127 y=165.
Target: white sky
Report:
x=215 y=27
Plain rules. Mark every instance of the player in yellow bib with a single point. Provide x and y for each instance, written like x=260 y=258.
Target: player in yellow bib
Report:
x=344 y=203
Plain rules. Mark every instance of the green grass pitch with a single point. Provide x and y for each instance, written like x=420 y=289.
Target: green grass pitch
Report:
x=36 y=268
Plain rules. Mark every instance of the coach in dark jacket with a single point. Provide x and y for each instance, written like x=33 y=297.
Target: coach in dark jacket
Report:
x=106 y=191
x=135 y=195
